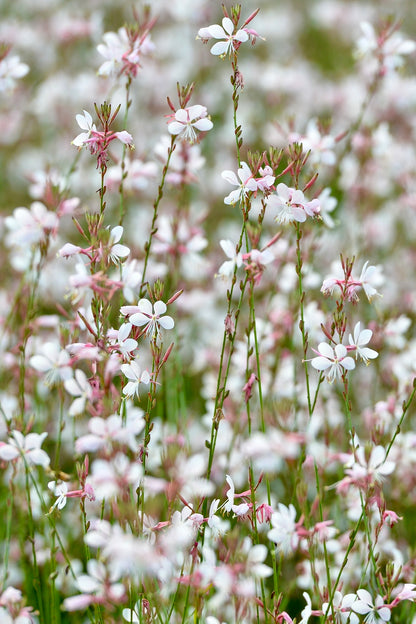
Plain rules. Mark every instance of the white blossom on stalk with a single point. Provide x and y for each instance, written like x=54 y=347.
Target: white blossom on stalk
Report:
x=117 y=251
x=85 y=123
x=236 y=259
x=376 y=612
x=136 y=378
x=150 y=317
x=340 y=608
x=245 y=183
x=27 y=447
x=332 y=361
x=226 y=32
x=188 y=120
x=291 y=205
x=60 y=490
x=370 y=279
x=359 y=340
x=239 y=510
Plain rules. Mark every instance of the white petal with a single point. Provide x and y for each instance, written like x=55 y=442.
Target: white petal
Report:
x=227 y=25
x=159 y=307
x=145 y=306
x=326 y=350
x=221 y=47
x=167 y=322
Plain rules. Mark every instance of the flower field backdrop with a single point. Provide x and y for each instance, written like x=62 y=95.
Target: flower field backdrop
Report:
x=208 y=295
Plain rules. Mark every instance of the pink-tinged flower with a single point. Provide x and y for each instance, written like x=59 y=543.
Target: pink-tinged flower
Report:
x=245 y=183
x=284 y=533
x=288 y=203
x=340 y=609
x=150 y=317
x=121 y=341
x=266 y=180
x=12 y=609
x=136 y=378
x=11 y=69
x=334 y=362
x=375 y=612
x=110 y=479
x=231 y=41
x=327 y=204
x=359 y=340
x=98 y=142
x=188 y=120
x=68 y=250
x=27 y=447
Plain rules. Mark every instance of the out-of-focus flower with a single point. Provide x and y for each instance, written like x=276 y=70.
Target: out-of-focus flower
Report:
x=28 y=227
x=11 y=69
x=332 y=361
x=53 y=361
x=239 y=510
x=103 y=433
x=359 y=340
x=284 y=533
x=370 y=279
x=60 y=490
x=79 y=387
x=231 y=41
x=320 y=146
x=388 y=47
x=245 y=183
x=123 y=51
x=188 y=120
x=28 y=447
x=97 y=587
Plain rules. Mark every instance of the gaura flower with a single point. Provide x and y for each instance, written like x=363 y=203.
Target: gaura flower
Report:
x=188 y=120
x=332 y=361
x=231 y=41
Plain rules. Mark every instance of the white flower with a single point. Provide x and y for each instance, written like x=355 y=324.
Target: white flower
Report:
x=215 y=31
x=332 y=361
x=245 y=183
x=11 y=69
x=289 y=204
x=136 y=378
x=29 y=227
x=341 y=608
x=283 y=533
x=370 y=279
x=358 y=340
x=189 y=119
x=239 y=510
x=53 y=361
x=85 y=123
x=149 y=317
x=236 y=259
x=59 y=489
x=79 y=387
x=117 y=251
x=28 y=447
x=376 y=613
